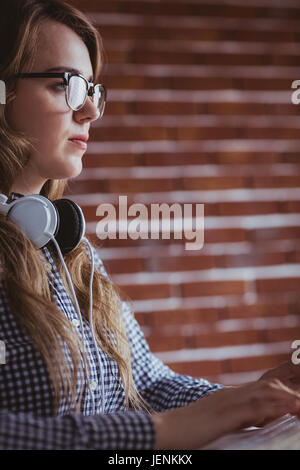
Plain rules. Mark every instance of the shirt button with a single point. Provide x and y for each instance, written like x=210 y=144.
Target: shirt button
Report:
x=48 y=267
x=93 y=385
x=75 y=322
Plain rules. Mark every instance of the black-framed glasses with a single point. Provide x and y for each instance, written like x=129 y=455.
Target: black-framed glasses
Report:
x=77 y=89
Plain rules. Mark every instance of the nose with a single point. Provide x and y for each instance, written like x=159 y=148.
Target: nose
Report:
x=88 y=113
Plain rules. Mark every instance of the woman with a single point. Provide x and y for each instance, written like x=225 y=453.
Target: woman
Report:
x=62 y=386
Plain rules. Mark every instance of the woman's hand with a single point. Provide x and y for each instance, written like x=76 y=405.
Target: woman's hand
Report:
x=288 y=373
x=226 y=410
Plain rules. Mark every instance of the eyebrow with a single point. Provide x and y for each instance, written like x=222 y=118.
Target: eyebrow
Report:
x=67 y=69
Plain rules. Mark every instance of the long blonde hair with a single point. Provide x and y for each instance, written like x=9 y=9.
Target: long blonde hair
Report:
x=25 y=276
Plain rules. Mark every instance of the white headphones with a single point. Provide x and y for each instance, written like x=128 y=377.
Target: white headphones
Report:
x=61 y=222
x=41 y=219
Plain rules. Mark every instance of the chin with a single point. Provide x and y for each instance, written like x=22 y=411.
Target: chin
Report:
x=72 y=170
x=64 y=175
x=75 y=173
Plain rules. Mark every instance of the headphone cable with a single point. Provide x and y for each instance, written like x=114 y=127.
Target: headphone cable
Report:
x=90 y=311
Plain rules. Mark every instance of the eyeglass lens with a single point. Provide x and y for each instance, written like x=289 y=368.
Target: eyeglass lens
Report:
x=77 y=92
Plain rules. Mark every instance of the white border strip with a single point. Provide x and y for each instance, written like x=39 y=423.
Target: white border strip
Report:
x=190 y=70
x=259 y=3
x=183 y=21
x=194 y=146
x=211 y=275
x=206 y=96
x=225 y=352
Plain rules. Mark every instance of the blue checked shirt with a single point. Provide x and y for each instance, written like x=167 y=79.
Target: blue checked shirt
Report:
x=26 y=394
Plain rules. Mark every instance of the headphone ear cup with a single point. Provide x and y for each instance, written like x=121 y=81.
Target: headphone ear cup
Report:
x=71 y=226
x=36 y=216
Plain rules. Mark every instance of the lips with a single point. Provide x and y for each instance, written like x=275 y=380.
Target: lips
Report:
x=80 y=141
x=82 y=137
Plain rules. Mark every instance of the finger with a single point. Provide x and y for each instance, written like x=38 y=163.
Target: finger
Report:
x=278 y=385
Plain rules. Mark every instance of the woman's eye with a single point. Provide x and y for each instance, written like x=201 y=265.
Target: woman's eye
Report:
x=59 y=86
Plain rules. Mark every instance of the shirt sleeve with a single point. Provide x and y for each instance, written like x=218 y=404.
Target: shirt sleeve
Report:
x=161 y=387
x=131 y=430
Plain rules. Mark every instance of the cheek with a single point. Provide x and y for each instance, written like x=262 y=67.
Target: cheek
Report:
x=36 y=115
x=23 y=109
x=28 y=107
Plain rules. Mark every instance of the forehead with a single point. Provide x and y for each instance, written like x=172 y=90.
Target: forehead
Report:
x=60 y=46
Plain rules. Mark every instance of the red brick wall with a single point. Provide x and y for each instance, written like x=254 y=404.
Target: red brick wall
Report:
x=200 y=111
